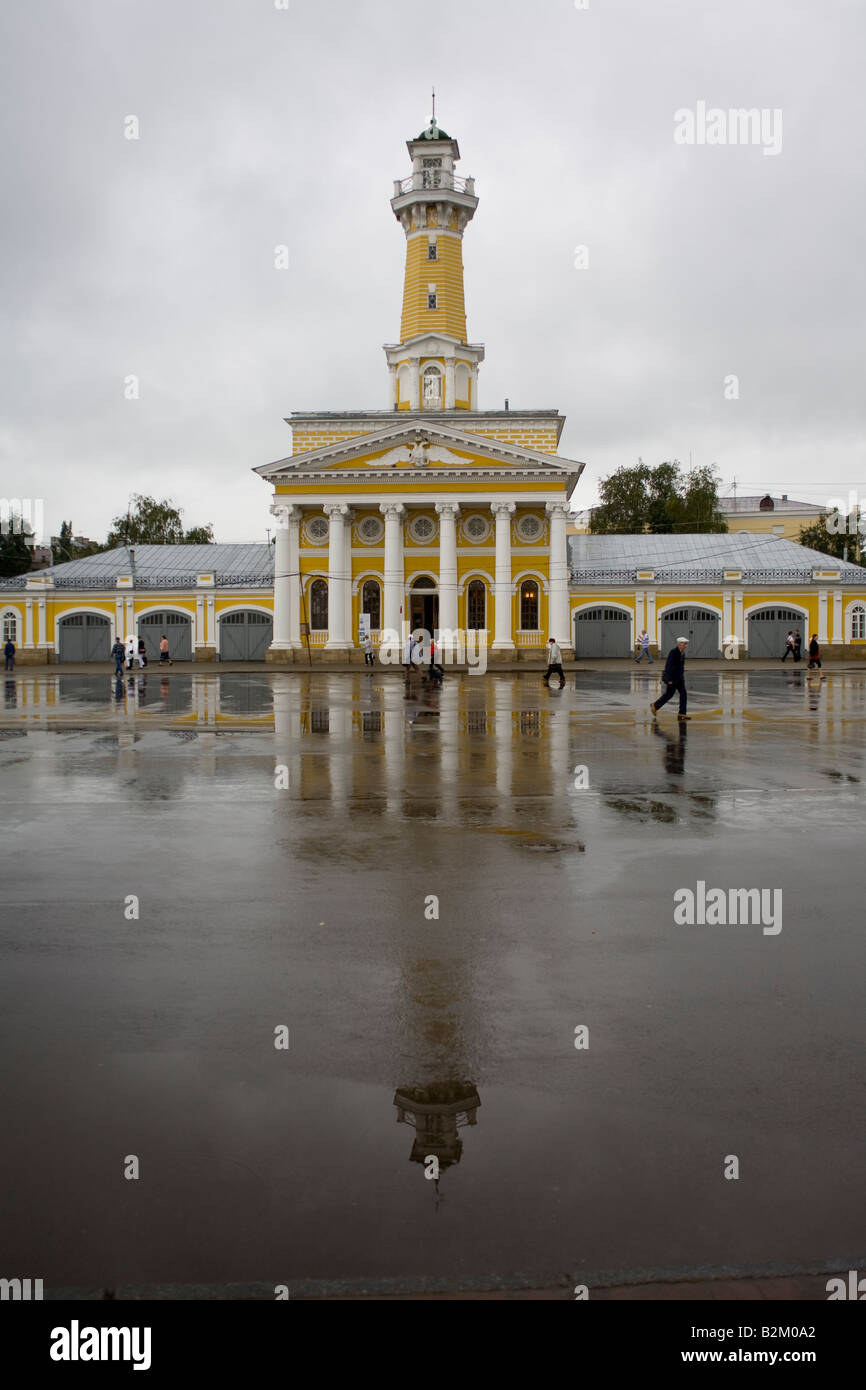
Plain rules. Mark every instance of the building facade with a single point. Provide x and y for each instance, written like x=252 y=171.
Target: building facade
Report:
x=438 y=517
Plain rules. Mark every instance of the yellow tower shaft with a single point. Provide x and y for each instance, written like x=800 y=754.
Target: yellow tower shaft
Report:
x=445 y=273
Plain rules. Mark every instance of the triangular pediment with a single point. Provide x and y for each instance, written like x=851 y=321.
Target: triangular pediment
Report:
x=410 y=446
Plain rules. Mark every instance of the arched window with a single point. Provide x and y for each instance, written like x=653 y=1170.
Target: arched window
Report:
x=476 y=605
x=319 y=605
x=432 y=388
x=10 y=627
x=529 y=606
x=858 y=623
x=371 y=602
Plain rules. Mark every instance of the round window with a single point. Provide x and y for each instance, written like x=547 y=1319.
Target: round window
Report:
x=317 y=529
x=529 y=527
x=370 y=529
x=476 y=528
x=421 y=528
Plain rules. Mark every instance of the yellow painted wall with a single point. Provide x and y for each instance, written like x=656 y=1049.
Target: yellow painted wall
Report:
x=447 y=274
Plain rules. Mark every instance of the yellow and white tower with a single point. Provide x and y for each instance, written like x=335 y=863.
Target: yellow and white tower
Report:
x=433 y=367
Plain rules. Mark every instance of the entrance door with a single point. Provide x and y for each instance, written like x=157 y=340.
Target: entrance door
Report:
x=602 y=632
x=700 y=625
x=769 y=627
x=85 y=637
x=424 y=607
x=177 y=628
x=245 y=636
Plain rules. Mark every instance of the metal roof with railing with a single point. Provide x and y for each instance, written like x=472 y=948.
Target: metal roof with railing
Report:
x=163 y=567
x=701 y=559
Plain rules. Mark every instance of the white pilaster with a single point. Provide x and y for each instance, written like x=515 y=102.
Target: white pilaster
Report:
x=558 y=601
x=739 y=627
x=414 y=383
x=448 y=567
x=450 y=383
x=394 y=577
x=822 y=617
x=29 y=635
x=838 y=625
x=727 y=630
x=651 y=624
x=199 y=621
x=503 y=639
x=337 y=577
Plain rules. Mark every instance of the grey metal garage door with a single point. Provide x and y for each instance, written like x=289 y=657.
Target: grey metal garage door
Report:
x=769 y=627
x=245 y=636
x=698 y=624
x=177 y=628
x=602 y=632
x=85 y=637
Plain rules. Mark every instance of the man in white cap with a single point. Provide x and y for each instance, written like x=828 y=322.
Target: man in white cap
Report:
x=674 y=678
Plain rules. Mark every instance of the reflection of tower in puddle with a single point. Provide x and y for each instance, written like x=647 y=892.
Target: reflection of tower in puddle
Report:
x=437 y=1113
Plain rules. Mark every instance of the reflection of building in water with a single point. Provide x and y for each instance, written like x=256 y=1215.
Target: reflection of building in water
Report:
x=436 y=1113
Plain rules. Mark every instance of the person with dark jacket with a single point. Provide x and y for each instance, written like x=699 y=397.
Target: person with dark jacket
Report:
x=674 y=678
x=9 y=653
x=798 y=645
x=815 y=655
x=118 y=651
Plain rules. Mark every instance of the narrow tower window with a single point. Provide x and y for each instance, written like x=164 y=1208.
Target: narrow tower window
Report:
x=432 y=389
x=431 y=297
x=432 y=253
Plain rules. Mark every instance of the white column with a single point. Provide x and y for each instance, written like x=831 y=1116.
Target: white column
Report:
x=43 y=640
x=502 y=639
x=29 y=634
x=199 y=623
x=129 y=629
x=639 y=613
x=394 y=577
x=347 y=532
x=822 y=617
x=286 y=619
x=739 y=628
x=211 y=623
x=392 y=370
x=414 y=384
x=118 y=619
x=558 y=599
x=450 y=383
x=448 y=567
x=838 y=627
x=337 y=577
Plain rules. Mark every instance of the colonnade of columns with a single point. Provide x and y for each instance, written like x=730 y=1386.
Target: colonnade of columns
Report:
x=340 y=636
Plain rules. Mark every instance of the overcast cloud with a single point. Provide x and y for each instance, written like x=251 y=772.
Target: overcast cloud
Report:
x=261 y=126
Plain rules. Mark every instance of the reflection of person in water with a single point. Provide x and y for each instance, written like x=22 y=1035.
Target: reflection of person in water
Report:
x=675 y=750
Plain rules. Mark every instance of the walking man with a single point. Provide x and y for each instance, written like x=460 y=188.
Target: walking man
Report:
x=643 y=641
x=9 y=653
x=798 y=645
x=554 y=663
x=163 y=651
x=118 y=651
x=789 y=645
x=368 y=650
x=142 y=653
x=675 y=679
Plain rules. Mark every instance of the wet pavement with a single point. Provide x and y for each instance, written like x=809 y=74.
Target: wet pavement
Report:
x=290 y=839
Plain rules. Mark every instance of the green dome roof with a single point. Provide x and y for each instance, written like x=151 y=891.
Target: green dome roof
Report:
x=433 y=132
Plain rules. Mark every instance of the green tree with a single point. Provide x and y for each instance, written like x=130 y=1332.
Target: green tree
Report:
x=148 y=522
x=696 y=506
x=638 y=499
x=15 y=557
x=840 y=543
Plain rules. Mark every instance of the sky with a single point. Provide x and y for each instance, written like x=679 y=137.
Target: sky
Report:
x=716 y=313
